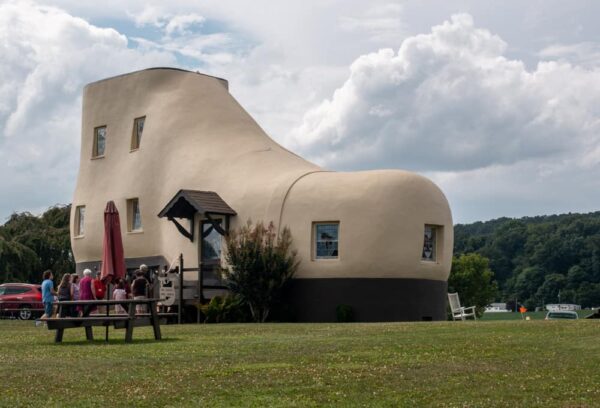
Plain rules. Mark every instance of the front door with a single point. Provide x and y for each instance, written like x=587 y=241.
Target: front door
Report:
x=211 y=258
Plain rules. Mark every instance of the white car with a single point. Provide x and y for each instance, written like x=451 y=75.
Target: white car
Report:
x=562 y=314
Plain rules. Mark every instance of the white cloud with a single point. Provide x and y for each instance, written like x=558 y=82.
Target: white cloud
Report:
x=450 y=100
x=180 y=23
x=43 y=72
x=585 y=53
x=381 y=23
x=499 y=136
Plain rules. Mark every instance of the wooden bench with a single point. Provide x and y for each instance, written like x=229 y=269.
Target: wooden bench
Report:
x=119 y=321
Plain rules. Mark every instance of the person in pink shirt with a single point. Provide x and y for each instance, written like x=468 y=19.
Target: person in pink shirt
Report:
x=85 y=288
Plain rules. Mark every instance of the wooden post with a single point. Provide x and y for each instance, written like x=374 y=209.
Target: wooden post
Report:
x=59 y=335
x=89 y=334
x=200 y=271
x=155 y=322
x=199 y=293
x=129 y=326
x=180 y=307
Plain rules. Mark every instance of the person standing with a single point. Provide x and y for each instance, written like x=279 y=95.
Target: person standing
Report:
x=74 y=292
x=99 y=290
x=139 y=289
x=48 y=293
x=120 y=294
x=64 y=294
x=85 y=289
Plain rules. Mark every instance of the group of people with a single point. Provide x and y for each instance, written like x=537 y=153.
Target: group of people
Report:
x=89 y=288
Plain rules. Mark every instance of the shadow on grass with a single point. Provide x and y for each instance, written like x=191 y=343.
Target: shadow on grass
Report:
x=113 y=342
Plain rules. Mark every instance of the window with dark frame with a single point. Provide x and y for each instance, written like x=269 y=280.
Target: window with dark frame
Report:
x=429 y=243
x=135 y=215
x=80 y=220
x=99 y=142
x=138 y=130
x=326 y=240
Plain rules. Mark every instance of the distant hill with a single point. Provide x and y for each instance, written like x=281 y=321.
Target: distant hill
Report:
x=538 y=259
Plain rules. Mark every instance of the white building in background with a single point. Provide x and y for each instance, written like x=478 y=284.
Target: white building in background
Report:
x=496 y=308
x=556 y=307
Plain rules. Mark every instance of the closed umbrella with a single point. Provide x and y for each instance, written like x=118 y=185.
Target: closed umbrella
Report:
x=113 y=258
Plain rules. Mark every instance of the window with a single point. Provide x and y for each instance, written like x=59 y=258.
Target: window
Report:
x=99 y=142
x=138 y=129
x=13 y=290
x=134 y=215
x=79 y=220
x=429 y=243
x=326 y=240
x=211 y=241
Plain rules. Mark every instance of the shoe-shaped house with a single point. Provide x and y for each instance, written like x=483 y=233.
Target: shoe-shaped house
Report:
x=183 y=161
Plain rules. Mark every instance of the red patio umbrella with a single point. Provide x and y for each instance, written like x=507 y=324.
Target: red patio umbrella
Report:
x=113 y=258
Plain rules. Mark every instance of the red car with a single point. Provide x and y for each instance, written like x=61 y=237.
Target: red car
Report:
x=23 y=300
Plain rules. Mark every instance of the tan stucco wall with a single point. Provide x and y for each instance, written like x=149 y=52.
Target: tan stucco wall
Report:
x=198 y=137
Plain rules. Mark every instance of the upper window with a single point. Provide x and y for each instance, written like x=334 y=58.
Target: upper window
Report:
x=134 y=215
x=99 y=141
x=138 y=129
x=79 y=220
x=430 y=243
x=326 y=240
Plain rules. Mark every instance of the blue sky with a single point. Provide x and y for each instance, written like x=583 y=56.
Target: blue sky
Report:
x=497 y=102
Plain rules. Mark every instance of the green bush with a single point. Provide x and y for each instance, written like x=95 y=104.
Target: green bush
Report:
x=225 y=309
x=473 y=280
x=260 y=264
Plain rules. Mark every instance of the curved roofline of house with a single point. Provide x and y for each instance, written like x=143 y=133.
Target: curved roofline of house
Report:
x=153 y=68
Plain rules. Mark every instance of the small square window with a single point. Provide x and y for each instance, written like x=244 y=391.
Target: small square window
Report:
x=138 y=129
x=99 y=141
x=326 y=240
x=79 y=220
x=134 y=215
x=430 y=243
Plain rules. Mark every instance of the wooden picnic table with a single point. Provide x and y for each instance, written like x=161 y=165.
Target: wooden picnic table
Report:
x=119 y=321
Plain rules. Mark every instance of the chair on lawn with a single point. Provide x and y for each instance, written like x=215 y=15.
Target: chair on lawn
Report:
x=458 y=311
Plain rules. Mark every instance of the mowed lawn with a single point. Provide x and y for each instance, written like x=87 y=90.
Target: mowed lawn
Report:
x=473 y=364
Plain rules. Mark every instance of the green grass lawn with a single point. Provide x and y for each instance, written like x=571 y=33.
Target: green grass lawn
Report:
x=532 y=315
x=473 y=364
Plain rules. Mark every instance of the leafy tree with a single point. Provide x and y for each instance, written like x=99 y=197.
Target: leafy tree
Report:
x=472 y=278
x=527 y=282
x=589 y=295
x=524 y=252
x=260 y=263
x=550 y=289
x=30 y=244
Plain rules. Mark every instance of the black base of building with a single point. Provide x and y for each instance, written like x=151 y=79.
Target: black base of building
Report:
x=367 y=300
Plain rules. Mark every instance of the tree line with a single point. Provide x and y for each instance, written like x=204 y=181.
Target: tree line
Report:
x=30 y=244
x=539 y=260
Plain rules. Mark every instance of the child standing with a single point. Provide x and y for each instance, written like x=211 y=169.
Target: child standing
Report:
x=120 y=294
x=48 y=293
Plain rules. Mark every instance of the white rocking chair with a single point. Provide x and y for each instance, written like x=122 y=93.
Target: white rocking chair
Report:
x=459 y=312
